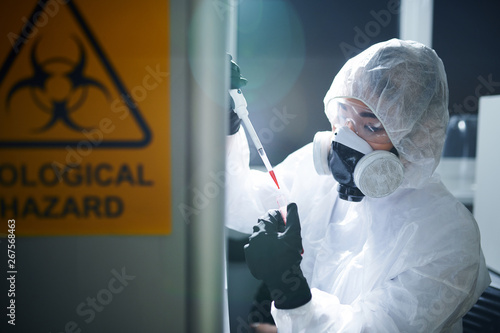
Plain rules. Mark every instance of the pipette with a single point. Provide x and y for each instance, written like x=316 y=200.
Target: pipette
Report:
x=240 y=107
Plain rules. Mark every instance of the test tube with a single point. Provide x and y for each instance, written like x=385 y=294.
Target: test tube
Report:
x=282 y=204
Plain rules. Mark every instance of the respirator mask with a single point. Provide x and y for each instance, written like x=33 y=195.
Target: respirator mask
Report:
x=359 y=170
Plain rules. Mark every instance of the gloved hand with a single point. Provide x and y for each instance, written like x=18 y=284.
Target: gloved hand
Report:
x=237 y=81
x=273 y=254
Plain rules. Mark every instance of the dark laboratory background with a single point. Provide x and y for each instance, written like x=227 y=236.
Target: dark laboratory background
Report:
x=290 y=52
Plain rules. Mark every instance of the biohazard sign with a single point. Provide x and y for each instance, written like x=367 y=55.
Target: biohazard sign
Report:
x=84 y=117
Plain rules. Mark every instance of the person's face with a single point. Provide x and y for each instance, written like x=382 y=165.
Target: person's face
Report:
x=362 y=121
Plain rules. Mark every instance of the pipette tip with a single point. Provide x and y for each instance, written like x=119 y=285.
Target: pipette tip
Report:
x=271 y=172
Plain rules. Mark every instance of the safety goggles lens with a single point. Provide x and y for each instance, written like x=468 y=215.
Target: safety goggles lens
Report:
x=359 y=118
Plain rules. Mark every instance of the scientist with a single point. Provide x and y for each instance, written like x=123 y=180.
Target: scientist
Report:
x=386 y=247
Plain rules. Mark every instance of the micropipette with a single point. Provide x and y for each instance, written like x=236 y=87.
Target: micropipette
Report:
x=240 y=107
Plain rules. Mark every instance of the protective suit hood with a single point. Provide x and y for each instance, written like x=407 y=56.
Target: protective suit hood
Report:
x=404 y=83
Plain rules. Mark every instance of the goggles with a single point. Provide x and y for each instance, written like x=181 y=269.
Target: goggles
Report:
x=359 y=117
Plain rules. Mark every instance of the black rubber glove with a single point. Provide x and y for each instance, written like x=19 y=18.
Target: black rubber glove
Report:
x=237 y=81
x=273 y=254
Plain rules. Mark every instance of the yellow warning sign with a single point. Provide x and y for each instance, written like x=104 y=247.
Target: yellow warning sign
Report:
x=84 y=117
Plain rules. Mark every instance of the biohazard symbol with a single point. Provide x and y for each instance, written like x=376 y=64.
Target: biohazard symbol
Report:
x=58 y=86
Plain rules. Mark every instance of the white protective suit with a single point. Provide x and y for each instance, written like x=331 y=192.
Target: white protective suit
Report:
x=408 y=262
